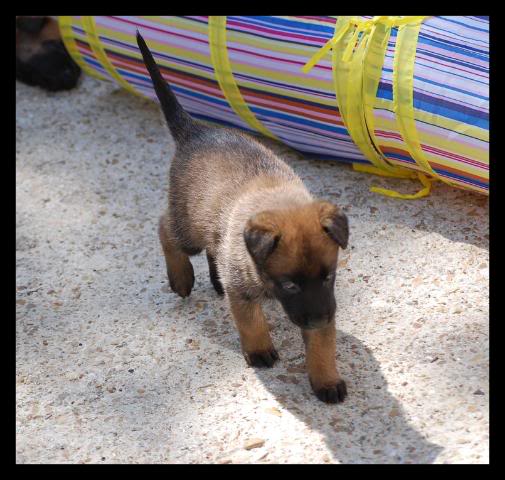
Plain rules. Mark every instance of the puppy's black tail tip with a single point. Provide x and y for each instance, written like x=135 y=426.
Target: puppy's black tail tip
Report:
x=140 y=38
x=179 y=122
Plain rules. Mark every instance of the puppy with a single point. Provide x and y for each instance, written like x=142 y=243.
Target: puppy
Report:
x=41 y=57
x=263 y=233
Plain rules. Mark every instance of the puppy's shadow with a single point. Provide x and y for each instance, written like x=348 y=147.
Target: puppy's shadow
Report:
x=370 y=426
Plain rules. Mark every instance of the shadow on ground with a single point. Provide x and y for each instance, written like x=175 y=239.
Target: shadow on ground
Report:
x=370 y=426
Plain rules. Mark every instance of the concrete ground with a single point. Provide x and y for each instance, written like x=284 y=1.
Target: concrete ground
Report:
x=112 y=367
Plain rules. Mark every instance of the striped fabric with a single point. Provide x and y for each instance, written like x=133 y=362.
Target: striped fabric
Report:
x=451 y=84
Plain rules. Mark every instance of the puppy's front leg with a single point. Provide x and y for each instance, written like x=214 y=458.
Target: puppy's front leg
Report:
x=255 y=338
x=320 y=351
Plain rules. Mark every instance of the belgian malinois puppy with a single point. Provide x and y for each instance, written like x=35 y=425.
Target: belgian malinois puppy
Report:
x=264 y=235
x=41 y=57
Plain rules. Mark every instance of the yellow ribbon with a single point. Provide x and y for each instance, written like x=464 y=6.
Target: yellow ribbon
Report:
x=326 y=48
x=96 y=46
x=403 y=95
x=359 y=26
x=357 y=66
x=68 y=37
x=224 y=75
x=392 y=193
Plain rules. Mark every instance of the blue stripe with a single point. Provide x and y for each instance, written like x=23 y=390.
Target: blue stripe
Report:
x=132 y=75
x=451 y=47
x=472 y=181
x=454 y=61
x=222 y=122
x=302 y=121
x=463 y=116
x=293 y=26
x=448 y=19
x=291 y=41
x=177 y=89
x=385 y=91
x=399 y=156
x=191 y=93
x=96 y=64
x=336 y=158
x=117 y=42
x=283 y=85
x=449 y=87
x=445 y=32
x=445 y=72
x=437 y=126
x=304 y=144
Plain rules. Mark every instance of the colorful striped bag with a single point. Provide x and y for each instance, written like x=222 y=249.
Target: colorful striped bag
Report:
x=405 y=97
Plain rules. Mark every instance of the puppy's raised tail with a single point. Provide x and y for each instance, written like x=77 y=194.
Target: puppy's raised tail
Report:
x=179 y=122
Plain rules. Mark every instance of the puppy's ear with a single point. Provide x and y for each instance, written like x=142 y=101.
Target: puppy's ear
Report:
x=334 y=222
x=261 y=236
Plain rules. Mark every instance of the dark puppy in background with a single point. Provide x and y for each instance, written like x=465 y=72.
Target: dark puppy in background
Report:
x=41 y=57
x=264 y=236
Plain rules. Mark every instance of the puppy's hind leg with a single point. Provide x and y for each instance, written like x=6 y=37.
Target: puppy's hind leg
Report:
x=214 y=277
x=179 y=269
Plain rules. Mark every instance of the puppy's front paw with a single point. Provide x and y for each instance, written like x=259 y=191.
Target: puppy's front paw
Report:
x=265 y=358
x=331 y=393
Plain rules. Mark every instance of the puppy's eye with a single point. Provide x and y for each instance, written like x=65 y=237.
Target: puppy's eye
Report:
x=290 y=287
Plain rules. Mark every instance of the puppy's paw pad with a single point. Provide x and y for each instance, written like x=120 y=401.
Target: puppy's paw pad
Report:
x=332 y=394
x=265 y=358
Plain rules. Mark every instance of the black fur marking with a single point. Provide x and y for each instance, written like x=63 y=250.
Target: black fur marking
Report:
x=52 y=68
x=260 y=244
x=337 y=227
x=262 y=359
x=214 y=277
x=179 y=122
x=313 y=307
x=333 y=394
x=191 y=250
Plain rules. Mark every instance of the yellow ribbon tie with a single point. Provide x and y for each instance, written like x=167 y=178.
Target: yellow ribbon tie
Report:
x=360 y=26
x=350 y=95
x=426 y=182
x=325 y=49
x=406 y=196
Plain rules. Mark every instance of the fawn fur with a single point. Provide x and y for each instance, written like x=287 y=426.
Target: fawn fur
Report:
x=264 y=234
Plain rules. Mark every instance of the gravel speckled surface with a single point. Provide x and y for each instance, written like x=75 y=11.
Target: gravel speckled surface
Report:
x=112 y=367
